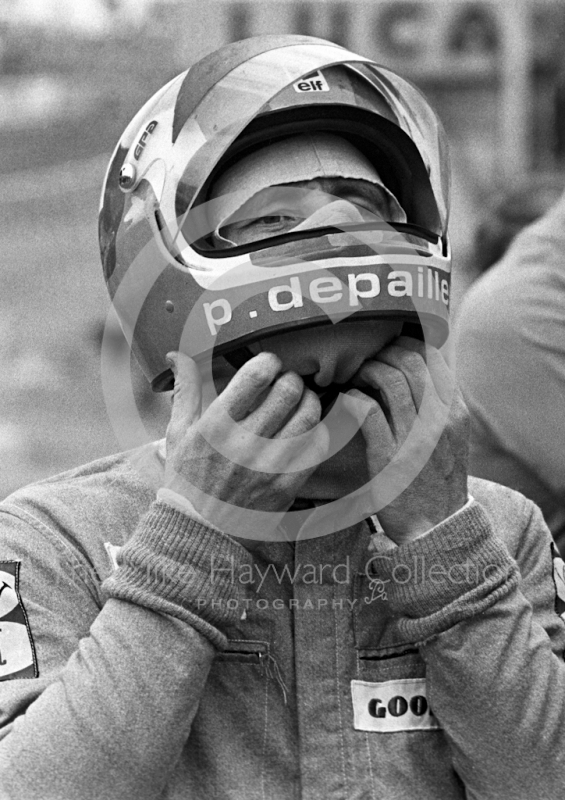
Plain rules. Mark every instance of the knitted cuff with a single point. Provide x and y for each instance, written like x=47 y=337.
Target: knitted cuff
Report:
x=175 y=565
x=456 y=571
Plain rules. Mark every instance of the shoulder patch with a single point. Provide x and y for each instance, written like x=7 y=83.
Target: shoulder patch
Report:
x=559 y=581
x=17 y=651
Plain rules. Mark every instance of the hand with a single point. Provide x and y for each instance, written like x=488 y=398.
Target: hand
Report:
x=254 y=446
x=430 y=473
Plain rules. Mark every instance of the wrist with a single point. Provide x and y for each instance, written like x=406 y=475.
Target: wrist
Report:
x=184 y=505
x=410 y=532
x=404 y=531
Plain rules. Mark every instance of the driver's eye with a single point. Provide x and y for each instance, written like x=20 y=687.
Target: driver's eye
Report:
x=275 y=219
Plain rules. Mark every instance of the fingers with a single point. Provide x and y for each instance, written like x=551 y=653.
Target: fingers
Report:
x=371 y=419
x=263 y=419
x=407 y=373
x=402 y=373
x=266 y=402
x=422 y=367
x=314 y=441
x=280 y=402
x=250 y=381
x=307 y=416
x=394 y=386
x=290 y=415
x=441 y=375
x=187 y=394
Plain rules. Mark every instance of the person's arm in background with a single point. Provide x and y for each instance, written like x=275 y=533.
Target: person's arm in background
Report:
x=510 y=365
x=118 y=687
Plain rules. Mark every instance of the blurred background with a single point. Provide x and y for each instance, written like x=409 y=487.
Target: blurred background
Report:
x=72 y=74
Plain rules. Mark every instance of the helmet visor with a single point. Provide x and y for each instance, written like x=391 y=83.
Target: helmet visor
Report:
x=395 y=127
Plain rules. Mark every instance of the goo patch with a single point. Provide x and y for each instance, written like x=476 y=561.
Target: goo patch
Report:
x=392 y=706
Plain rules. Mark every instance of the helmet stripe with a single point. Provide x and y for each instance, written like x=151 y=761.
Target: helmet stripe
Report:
x=204 y=75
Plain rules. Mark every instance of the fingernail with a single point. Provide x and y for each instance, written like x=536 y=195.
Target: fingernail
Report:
x=171 y=359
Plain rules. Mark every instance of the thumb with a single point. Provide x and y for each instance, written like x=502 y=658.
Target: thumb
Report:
x=187 y=393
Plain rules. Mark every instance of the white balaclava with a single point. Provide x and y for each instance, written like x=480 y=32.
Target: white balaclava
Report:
x=299 y=158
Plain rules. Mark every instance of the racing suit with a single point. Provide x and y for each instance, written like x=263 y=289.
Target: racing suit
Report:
x=165 y=660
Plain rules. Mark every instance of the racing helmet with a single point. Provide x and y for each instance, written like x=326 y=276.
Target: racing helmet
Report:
x=173 y=289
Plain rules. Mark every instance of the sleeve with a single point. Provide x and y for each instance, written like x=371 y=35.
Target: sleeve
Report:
x=118 y=686
x=493 y=647
x=379 y=539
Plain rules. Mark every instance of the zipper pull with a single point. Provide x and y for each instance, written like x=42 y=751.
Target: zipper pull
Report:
x=277 y=676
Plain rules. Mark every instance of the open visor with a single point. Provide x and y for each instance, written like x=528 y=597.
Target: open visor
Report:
x=294 y=222
x=260 y=102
